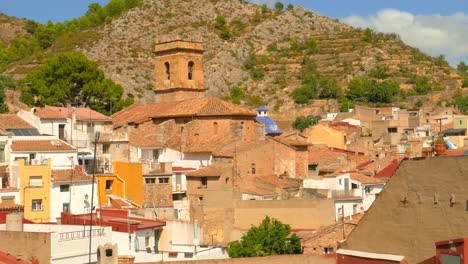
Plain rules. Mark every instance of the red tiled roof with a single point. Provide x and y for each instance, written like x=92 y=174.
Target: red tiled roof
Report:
x=210 y=106
x=115 y=218
x=176 y=168
x=209 y=171
x=41 y=145
x=12 y=121
x=363 y=179
x=68 y=175
x=10 y=207
x=389 y=170
x=81 y=113
x=144 y=141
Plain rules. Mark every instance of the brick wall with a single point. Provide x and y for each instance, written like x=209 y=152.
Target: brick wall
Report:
x=157 y=195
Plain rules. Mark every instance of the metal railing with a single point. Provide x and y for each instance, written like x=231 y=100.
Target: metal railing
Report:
x=74 y=235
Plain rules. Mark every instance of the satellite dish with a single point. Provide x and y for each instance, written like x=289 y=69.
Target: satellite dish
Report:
x=86 y=204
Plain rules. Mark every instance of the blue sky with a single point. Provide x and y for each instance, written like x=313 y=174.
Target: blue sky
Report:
x=434 y=26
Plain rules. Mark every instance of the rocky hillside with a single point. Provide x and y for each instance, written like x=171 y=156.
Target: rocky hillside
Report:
x=261 y=51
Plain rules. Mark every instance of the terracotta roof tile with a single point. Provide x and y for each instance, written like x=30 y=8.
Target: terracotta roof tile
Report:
x=388 y=171
x=144 y=141
x=10 y=207
x=210 y=106
x=209 y=171
x=41 y=145
x=78 y=175
x=12 y=121
x=365 y=179
x=81 y=113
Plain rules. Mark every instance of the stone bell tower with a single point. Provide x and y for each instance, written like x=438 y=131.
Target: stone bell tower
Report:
x=178 y=70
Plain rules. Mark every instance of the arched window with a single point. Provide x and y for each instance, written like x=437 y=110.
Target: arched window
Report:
x=215 y=128
x=190 y=70
x=168 y=70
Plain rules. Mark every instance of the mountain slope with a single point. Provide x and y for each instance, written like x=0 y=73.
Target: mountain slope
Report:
x=277 y=40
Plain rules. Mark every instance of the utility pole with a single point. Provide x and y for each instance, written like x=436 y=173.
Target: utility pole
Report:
x=343 y=222
x=96 y=139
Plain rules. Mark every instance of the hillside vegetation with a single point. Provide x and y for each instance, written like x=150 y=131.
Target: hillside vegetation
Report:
x=284 y=58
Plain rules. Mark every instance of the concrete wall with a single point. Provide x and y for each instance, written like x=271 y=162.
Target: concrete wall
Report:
x=78 y=191
x=299 y=214
x=414 y=210
x=27 y=245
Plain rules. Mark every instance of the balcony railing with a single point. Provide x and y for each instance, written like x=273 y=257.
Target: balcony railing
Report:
x=99 y=168
x=346 y=193
x=153 y=167
x=74 y=235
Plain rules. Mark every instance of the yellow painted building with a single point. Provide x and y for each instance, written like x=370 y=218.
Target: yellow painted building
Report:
x=35 y=190
x=126 y=182
x=321 y=134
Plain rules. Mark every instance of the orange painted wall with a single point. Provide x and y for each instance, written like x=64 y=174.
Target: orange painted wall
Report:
x=29 y=193
x=127 y=183
x=132 y=174
x=117 y=187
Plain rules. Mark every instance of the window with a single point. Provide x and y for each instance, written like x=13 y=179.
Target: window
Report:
x=254 y=169
x=392 y=130
x=2 y=153
x=367 y=188
x=215 y=128
x=190 y=70
x=313 y=167
x=155 y=155
x=117 y=145
x=105 y=148
x=31 y=157
x=168 y=70
x=66 y=207
x=150 y=180
x=36 y=205
x=328 y=250
x=109 y=184
x=147 y=242
x=204 y=182
x=339 y=181
x=163 y=180
x=35 y=181
x=65 y=188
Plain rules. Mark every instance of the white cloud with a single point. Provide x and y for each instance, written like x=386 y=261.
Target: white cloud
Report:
x=434 y=34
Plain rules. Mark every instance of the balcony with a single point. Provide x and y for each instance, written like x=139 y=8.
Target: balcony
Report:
x=101 y=169
x=157 y=168
x=357 y=193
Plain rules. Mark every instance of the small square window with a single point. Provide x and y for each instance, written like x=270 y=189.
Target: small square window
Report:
x=36 y=205
x=117 y=145
x=65 y=188
x=163 y=180
x=150 y=180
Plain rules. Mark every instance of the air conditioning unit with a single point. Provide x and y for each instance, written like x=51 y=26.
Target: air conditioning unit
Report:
x=178 y=188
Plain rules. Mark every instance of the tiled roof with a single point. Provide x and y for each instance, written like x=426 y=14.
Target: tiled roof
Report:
x=10 y=207
x=144 y=141
x=81 y=113
x=12 y=121
x=209 y=171
x=363 y=179
x=388 y=171
x=210 y=106
x=325 y=155
x=78 y=175
x=182 y=169
x=41 y=145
